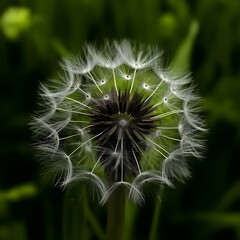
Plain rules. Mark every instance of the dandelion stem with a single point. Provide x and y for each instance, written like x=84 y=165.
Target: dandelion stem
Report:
x=116 y=214
x=155 y=220
x=93 y=221
x=131 y=217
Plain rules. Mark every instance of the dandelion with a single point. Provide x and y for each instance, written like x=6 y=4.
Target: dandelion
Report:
x=116 y=118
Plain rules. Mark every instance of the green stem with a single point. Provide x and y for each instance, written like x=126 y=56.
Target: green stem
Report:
x=129 y=225
x=116 y=214
x=155 y=220
x=94 y=222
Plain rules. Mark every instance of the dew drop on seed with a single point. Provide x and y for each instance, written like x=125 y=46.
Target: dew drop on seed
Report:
x=158 y=133
x=145 y=86
x=106 y=97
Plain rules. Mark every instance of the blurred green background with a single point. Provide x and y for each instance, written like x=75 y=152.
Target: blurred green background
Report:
x=203 y=36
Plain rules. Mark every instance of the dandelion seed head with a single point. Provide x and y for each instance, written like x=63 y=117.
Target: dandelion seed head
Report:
x=116 y=117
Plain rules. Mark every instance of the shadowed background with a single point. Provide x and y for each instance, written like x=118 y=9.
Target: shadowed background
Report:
x=203 y=36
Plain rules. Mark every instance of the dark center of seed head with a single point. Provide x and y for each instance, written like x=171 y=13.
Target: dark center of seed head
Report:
x=121 y=125
x=123 y=122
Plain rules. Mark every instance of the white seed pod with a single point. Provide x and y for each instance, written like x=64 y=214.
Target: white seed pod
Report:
x=115 y=117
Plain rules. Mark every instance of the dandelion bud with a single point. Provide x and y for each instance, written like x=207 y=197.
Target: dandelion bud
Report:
x=116 y=117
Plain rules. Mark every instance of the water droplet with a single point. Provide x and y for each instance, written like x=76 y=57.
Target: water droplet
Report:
x=106 y=97
x=145 y=86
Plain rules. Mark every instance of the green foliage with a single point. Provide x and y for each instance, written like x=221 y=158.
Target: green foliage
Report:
x=19 y=193
x=14 y=21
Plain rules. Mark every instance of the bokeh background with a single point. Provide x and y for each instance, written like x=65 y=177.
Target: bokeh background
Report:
x=200 y=35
